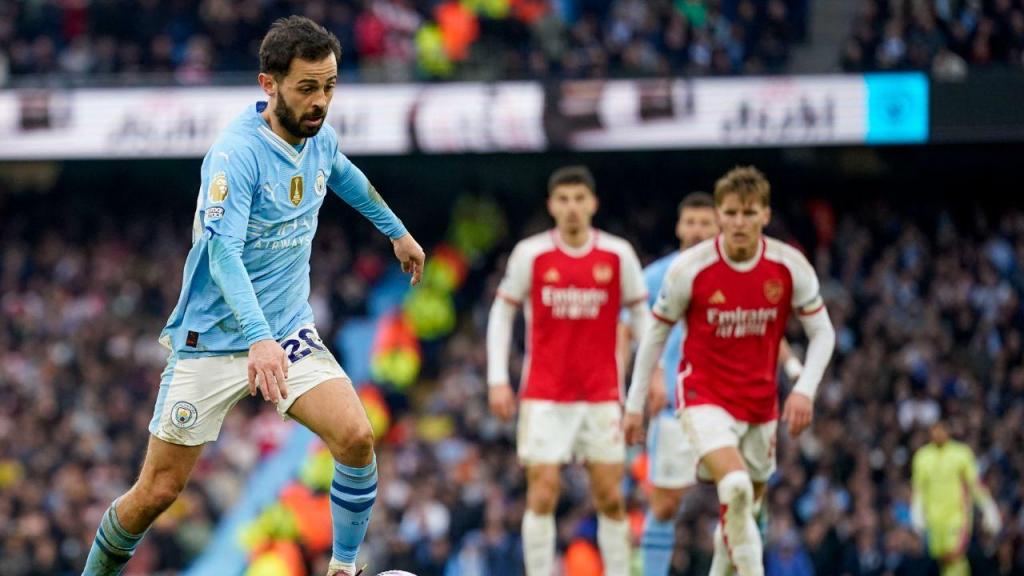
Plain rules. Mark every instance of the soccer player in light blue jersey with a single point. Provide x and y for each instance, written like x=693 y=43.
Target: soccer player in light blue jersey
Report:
x=243 y=324
x=671 y=458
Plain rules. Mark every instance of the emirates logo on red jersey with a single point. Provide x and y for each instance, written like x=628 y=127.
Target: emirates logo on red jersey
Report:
x=741 y=322
x=773 y=290
x=603 y=273
x=573 y=303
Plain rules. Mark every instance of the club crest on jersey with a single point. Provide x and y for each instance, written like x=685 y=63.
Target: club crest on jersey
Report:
x=218 y=191
x=320 y=186
x=184 y=415
x=552 y=276
x=295 y=190
x=773 y=291
x=717 y=298
x=603 y=273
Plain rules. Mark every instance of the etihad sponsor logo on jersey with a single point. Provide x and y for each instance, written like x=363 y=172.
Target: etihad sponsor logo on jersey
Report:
x=603 y=273
x=740 y=322
x=574 y=303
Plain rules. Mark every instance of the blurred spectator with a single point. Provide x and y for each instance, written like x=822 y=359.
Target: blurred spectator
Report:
x=202 y=41
x=941 y=36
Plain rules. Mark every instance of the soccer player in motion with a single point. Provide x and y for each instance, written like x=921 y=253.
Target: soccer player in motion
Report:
x=672 y=461
x=573 y=281
x=243 y=323
x=734 y=294
x=944 y=476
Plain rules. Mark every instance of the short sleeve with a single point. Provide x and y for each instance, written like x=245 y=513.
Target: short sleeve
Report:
x=228 y=185
x=674 y=296
x=634 y=288
x=515 y=285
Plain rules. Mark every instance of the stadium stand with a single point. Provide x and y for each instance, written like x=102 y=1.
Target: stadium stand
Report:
x=191 y=41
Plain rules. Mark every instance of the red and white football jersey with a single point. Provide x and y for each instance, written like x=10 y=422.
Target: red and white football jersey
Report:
x=735 y=315
x=572 y=298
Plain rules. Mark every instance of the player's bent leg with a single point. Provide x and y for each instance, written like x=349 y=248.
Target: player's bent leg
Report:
x=736 y=503
x=165 y=472
x=612 y=526
x=333 y=412
x=543 y=483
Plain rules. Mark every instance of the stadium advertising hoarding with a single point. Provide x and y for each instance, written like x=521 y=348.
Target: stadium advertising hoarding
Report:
x=473 y=117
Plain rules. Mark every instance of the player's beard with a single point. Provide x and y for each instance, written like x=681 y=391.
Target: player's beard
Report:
x=292 y=123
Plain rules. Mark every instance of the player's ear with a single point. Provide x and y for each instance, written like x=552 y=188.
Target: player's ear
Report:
x=767 y=215
x=268 y=84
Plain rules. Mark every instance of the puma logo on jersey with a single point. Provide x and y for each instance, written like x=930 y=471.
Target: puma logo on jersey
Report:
x=552 y=276
x=717 y=298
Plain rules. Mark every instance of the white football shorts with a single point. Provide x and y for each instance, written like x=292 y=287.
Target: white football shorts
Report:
x=197 y=393
x=671 y=457
x=557 y=432
x=712 y=427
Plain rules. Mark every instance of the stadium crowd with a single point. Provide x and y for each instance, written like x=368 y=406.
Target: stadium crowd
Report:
x=929 y=325
x=944 y=36
x=190 y=41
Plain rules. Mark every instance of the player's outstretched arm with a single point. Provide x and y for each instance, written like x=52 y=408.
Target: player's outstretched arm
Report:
x=352 y=186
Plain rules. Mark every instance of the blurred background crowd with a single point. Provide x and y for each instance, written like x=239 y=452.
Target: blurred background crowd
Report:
x=926 y=307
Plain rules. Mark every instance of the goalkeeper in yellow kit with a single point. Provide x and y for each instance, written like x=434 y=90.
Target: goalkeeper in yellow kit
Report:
x=945 y=482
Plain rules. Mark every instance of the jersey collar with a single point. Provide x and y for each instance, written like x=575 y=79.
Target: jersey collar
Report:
x=276 y=142
x=746 y=265
x=575 y=252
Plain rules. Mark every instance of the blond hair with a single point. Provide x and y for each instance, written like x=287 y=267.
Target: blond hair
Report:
x=746 y=181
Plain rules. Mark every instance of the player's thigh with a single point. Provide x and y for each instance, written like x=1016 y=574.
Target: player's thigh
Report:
x=543 y=484
x=948 y=540
x=195 y=395
x=600 y=439
x=547 y=431
x=757 y=445
x=672 y=459
x=715 y=436
x=332 y=410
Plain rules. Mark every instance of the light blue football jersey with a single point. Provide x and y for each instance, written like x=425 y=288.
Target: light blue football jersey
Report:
x=259 y=189
x=654 y=275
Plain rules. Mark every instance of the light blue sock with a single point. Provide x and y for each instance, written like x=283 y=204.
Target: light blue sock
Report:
x=353 y=492
x=657 y=542
x=112 y=548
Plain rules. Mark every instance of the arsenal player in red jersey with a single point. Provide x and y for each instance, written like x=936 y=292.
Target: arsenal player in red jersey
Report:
x=735 y=293
x=572 y=281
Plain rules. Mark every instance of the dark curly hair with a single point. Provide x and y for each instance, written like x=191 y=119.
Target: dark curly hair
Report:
x=295 y=37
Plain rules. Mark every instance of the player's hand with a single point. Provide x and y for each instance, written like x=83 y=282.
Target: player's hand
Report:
x=991 y=521
x=657 y=398
x=502 y=401
x=411 y=255
x=633 y=427
x=268 y=370
x=797 y=413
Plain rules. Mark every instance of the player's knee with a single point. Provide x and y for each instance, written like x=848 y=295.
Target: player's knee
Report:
x=664 y=505
x=608 y=500
x=351 y=441
x=542 y=494
x=160 y=491
x=737 y=491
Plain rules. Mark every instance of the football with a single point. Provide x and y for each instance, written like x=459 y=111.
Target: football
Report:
x=396 y=573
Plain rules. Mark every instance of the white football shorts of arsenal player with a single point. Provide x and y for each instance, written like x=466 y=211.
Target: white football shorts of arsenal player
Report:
x=735 y=315
x=570 y=389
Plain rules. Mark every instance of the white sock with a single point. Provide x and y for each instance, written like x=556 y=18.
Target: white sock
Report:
x=720 y=563
x=335 y=565
x=539 y=544
x=613 y=540
x=742 y=539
